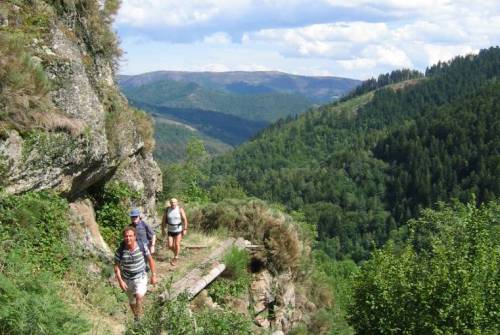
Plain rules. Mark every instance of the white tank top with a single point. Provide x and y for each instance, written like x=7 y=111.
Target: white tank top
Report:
x=174 y=219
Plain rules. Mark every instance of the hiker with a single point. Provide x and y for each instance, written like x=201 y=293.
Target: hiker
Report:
x=145 y=234
x=130 y=270
x=175 y=219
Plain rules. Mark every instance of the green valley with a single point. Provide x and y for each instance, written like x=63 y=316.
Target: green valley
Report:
x=229 y=107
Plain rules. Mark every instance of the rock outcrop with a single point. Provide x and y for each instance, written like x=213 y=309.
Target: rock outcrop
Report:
x=85 y=231
x=89 y=136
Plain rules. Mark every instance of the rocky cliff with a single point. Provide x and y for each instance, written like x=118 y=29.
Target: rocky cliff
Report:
x=63 y=123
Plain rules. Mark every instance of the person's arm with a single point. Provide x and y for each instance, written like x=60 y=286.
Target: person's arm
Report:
x=151 y=238
x=118 y=275
x=152 y=266
x=185 y=220
x=152 y=244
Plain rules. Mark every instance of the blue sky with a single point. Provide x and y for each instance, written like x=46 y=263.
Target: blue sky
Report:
x=356 y=39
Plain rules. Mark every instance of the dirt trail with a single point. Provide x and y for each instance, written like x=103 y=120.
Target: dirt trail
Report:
x=199 y=254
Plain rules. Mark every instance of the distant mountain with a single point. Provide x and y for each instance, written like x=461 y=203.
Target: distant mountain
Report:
x=266 y=107
x=229 y=107
x=229 y=129
x=316 y=89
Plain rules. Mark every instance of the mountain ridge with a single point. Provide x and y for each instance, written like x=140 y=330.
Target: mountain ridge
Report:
x=329 y=87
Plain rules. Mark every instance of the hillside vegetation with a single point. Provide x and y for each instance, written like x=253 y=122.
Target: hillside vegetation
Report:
x=230 y=107
x=361 y=167
x=256 y=107
x=173 y=137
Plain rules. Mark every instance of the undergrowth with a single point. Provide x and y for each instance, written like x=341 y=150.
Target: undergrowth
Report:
x=113 y=202
x=34 y=257
x=175 y=318
x=235 y=279
x=256 y=221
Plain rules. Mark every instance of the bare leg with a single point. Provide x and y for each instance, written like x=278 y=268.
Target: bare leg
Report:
x=170 y=243
x=133 y=307
x=176 y=248
x=138 y=305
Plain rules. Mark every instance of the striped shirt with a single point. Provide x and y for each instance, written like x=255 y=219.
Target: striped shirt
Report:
x=132 y=262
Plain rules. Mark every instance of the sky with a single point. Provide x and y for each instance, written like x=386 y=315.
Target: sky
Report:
x=344 y=38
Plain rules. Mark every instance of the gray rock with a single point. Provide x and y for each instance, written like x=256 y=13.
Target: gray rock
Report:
x=85 y=232
x=72 y=153
x=261 y=291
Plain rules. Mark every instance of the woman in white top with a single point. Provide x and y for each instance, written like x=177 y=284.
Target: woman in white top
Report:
x=176 y=222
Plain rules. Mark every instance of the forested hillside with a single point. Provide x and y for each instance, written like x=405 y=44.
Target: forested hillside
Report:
x=361 y=167
x=268 y=106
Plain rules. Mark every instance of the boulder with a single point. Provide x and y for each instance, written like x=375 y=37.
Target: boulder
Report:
x=261 y=291
x=85 y=233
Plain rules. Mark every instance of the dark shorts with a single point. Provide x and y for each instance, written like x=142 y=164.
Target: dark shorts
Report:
x=174 y=234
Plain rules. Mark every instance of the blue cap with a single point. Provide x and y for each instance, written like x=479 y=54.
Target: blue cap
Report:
x=135 y=212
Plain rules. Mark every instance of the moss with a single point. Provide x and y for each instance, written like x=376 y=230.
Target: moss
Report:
x=51 y=149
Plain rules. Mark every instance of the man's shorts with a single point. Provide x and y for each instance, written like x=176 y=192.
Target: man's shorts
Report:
x=136 y=286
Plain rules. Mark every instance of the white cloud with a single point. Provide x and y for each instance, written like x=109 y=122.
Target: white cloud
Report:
x=320 y=40
x=357 y=38
x=176 y=13
x=217 y=38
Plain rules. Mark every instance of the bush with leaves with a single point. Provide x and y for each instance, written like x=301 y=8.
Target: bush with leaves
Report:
x=223 y=322
x=36 y=224
x=113 y=203
x=30 y=303
x=235 y=279
x=34 y=255
x=444 y=281
x=175 y=317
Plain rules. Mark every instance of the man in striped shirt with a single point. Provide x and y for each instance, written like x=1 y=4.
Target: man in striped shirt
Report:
x=130 y=270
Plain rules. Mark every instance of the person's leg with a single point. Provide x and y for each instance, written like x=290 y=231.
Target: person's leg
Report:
x=170 y=242
x=177 y=248
x=138 y=305
x=141 y=287
x=131 y=296
x=134 y=310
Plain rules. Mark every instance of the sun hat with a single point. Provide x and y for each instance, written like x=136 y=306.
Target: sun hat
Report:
x=135 y=212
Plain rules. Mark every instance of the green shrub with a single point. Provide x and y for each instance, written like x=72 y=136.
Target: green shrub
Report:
x=30 y=303
x=113 y=202
x=444 y=281
x=175 y=318
x=236 y=261
x=222 y=288
x=34 y=255
x=36 y=224
x=224 y=322
x=300 y=329
x=235 y=279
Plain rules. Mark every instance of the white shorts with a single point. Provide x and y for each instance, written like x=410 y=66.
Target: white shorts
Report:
x=137 y=286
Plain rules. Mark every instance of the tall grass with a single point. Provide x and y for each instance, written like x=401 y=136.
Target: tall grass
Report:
x=257 y=222
x=24 y=86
